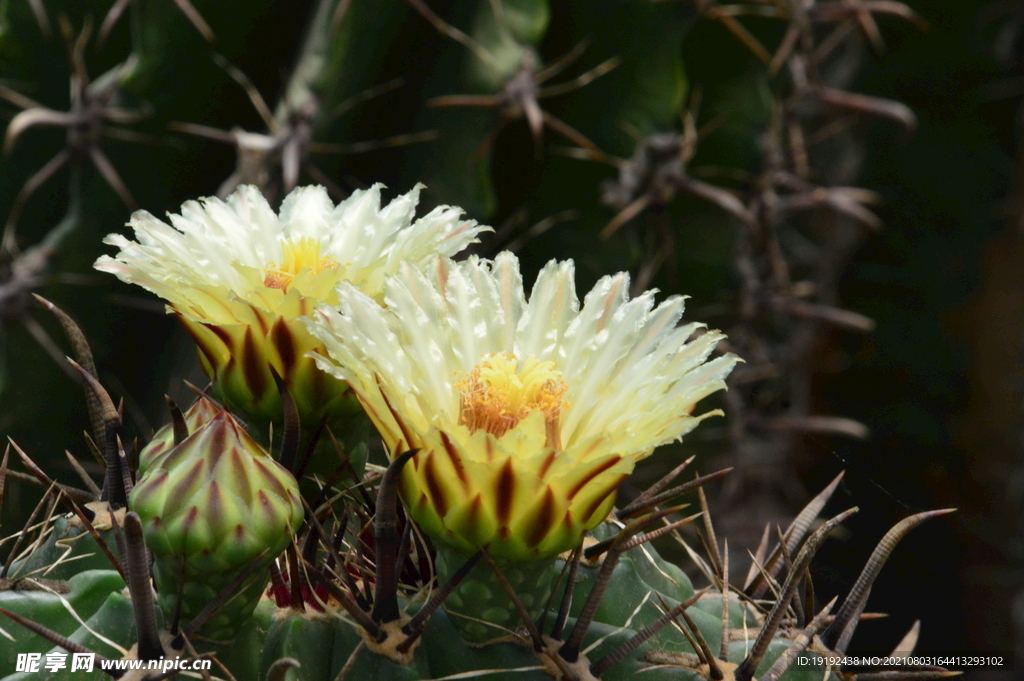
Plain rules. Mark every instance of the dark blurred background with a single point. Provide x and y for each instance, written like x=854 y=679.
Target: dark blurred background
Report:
x=927 y=371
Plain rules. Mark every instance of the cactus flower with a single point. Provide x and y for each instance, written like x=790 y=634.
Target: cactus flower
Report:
x=527 y=414
x=240 y=276
x=209 y=507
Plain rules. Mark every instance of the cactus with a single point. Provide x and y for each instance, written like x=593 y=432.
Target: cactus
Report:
x=484 y=541
x=351 y=597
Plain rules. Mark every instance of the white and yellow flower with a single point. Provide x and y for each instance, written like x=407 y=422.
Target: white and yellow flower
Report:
x=240 y=276
x=527 y=414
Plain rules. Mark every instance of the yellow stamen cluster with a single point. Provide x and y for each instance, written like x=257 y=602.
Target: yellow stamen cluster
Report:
x=498 y=394
x=303 y=254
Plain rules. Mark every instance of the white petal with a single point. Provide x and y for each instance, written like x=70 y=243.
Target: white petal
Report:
x=227 y=244
x=553 y=305
x=632 y=374
x=305 y=213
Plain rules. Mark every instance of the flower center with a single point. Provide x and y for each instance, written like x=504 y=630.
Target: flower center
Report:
x=303 y=254
x=500 y=392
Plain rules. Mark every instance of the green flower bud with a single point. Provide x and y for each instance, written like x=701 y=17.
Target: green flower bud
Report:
x=210 y=507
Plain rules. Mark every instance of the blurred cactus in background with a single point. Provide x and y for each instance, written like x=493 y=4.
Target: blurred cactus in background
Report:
x=607 y=132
